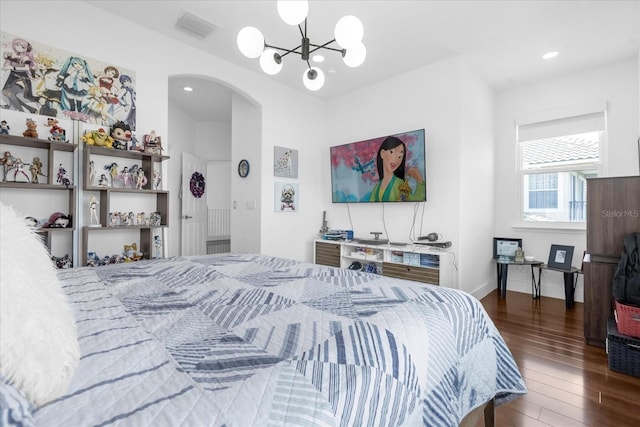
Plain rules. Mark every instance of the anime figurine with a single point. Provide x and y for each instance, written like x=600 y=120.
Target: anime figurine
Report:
x=93 y=211
x=103 y=181
x=114 y=218
x=19 y=168
x=121 y=134
x=93 y=260
x=152 y=143
x=98 y=137
x=92 y=173
x=31 y=131
x=36 y=170
x=157 y=246
x=7 y=162
x=4 y=128
x=141 y=218
x=141 y=180
x=57 y=133
x=74 y=79
x=125 y=177
x=62 y=176
x=155 y=219
x=21 y=67
x=157 y=179
x=113 y=171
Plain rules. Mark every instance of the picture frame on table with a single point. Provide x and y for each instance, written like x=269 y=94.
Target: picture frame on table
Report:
x=506 y=247
x=560 y=257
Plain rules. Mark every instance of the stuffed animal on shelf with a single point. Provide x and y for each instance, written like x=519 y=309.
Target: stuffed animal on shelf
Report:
x=131 y=253
x=98 y=137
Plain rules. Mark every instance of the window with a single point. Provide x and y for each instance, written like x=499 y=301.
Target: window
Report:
x=556 y=158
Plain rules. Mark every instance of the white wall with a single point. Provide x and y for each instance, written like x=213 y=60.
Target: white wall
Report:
x=280 y=106
x=617 y=84
x=454 y=106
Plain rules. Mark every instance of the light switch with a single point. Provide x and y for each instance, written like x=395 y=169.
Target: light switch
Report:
x=251 y=204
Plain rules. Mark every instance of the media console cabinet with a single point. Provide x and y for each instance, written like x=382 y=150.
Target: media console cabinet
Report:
x=411 y=261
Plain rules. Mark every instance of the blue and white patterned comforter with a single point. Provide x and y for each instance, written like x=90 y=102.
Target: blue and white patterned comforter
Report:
x=251 y=340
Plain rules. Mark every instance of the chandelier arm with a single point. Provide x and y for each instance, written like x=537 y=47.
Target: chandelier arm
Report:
x=288 y=51
x=326 y=46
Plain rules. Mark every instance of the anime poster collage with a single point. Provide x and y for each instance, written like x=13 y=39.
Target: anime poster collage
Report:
x=43 y=80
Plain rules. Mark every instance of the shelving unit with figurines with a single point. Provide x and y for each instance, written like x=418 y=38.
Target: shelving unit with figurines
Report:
x=38 y=177
x=125 y=202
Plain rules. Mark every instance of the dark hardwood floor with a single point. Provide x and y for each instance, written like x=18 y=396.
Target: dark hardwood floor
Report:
x=569 y=382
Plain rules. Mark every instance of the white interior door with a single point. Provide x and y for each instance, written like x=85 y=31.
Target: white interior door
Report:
x=194 y=209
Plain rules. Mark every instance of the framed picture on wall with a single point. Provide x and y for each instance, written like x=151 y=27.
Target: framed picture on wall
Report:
x=286 y=197
x=285 y=162
x=560 y=257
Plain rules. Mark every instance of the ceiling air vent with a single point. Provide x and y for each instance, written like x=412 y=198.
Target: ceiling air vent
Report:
x=195 y=25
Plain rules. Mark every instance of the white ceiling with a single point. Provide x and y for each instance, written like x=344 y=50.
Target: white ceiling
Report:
x=502 y=40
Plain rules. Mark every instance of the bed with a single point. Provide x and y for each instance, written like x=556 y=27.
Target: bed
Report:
x=238 y=340
x=245 y=339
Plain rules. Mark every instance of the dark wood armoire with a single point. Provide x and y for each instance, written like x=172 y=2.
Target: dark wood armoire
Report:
x=613 y=211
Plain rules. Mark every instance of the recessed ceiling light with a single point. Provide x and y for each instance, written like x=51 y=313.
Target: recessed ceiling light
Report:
x=188 y=89
x=317 y=58
x=550 y=55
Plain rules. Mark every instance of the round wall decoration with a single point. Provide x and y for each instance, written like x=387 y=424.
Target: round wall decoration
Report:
x=196 y=185
x=243 y=168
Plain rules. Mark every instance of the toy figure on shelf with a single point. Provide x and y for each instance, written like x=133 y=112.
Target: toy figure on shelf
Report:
x=57 y=133
x=4 y=128
x=141 y=218
x=19 y=168
x=152 y=143
x=157 y=179
x=7 y=162
x=157 y=245
x=113 y=171
x=62 y=176
x=58 y=220
x=93 y=211
x=131 y=253
x=114 y=219
x=31 y=131
x=103 y=181
x=92 y=173
x=141 y=180
x=121 y=134
x=155 y=219
x=98 y=137
x=36 y=170
x=125 y=177
x=63 y=261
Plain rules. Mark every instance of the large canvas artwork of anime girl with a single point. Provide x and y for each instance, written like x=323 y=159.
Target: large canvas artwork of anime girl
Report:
x=386 y=169
x=40 y=79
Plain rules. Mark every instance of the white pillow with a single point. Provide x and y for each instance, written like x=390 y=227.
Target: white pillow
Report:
x=39 y=349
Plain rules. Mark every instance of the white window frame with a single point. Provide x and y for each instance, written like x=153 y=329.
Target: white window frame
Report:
x=599 y=167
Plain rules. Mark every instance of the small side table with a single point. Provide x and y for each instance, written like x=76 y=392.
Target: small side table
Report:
x=570 y=282
x=503 y=270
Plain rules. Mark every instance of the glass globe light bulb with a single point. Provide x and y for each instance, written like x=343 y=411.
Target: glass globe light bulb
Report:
x=355 y=56
x=348 y=31
x=250 y=42
x=270 y=62
x=313 y=78
x=293 y=12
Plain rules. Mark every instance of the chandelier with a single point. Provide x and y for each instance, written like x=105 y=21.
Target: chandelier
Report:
x=348 y=36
